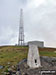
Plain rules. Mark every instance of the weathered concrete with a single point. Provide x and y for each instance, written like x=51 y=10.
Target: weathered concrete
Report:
x=48 y=64
x=37 y=43
x=33 y=60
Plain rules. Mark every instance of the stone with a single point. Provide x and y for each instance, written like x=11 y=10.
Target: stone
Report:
x=9 y=63
x=1 y=67
x=46 y=66
x=33 y=60
x=37 y=43
x=17 y=73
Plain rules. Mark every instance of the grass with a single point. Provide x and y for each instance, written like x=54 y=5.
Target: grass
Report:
x=12 y=55
x=15 y=54
x=47 y=53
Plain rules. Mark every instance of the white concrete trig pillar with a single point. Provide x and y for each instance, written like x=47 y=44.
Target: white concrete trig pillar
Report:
x=33 y=60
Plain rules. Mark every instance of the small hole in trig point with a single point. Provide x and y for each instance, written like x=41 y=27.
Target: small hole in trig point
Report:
x=35 y=61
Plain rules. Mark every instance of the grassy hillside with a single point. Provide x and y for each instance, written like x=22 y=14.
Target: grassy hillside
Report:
x=51 y=52
x=14 y=54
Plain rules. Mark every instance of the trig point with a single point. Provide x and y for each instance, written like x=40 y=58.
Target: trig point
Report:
x=33 y=60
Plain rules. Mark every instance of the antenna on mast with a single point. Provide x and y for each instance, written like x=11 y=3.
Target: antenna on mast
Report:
x=21 y=30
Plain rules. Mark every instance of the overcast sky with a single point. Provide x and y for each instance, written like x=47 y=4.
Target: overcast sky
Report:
x=39 y=21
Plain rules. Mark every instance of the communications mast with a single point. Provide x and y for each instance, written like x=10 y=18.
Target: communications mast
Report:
x=21 y=30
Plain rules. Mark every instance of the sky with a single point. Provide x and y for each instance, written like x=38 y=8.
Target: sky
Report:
x=39 y=18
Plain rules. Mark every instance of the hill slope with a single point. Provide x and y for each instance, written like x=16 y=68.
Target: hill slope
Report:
x=11 y=55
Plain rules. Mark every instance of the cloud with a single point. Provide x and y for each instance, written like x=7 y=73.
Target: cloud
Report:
x=42 y=22
x=39 y=21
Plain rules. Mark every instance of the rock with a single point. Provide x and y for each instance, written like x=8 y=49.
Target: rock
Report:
x=12 y=67
x=1 y=67
x=9 y=63
x=5 y=73
x=13 y=72
x=17 y=73
x=47 y=63
x=9 y=69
